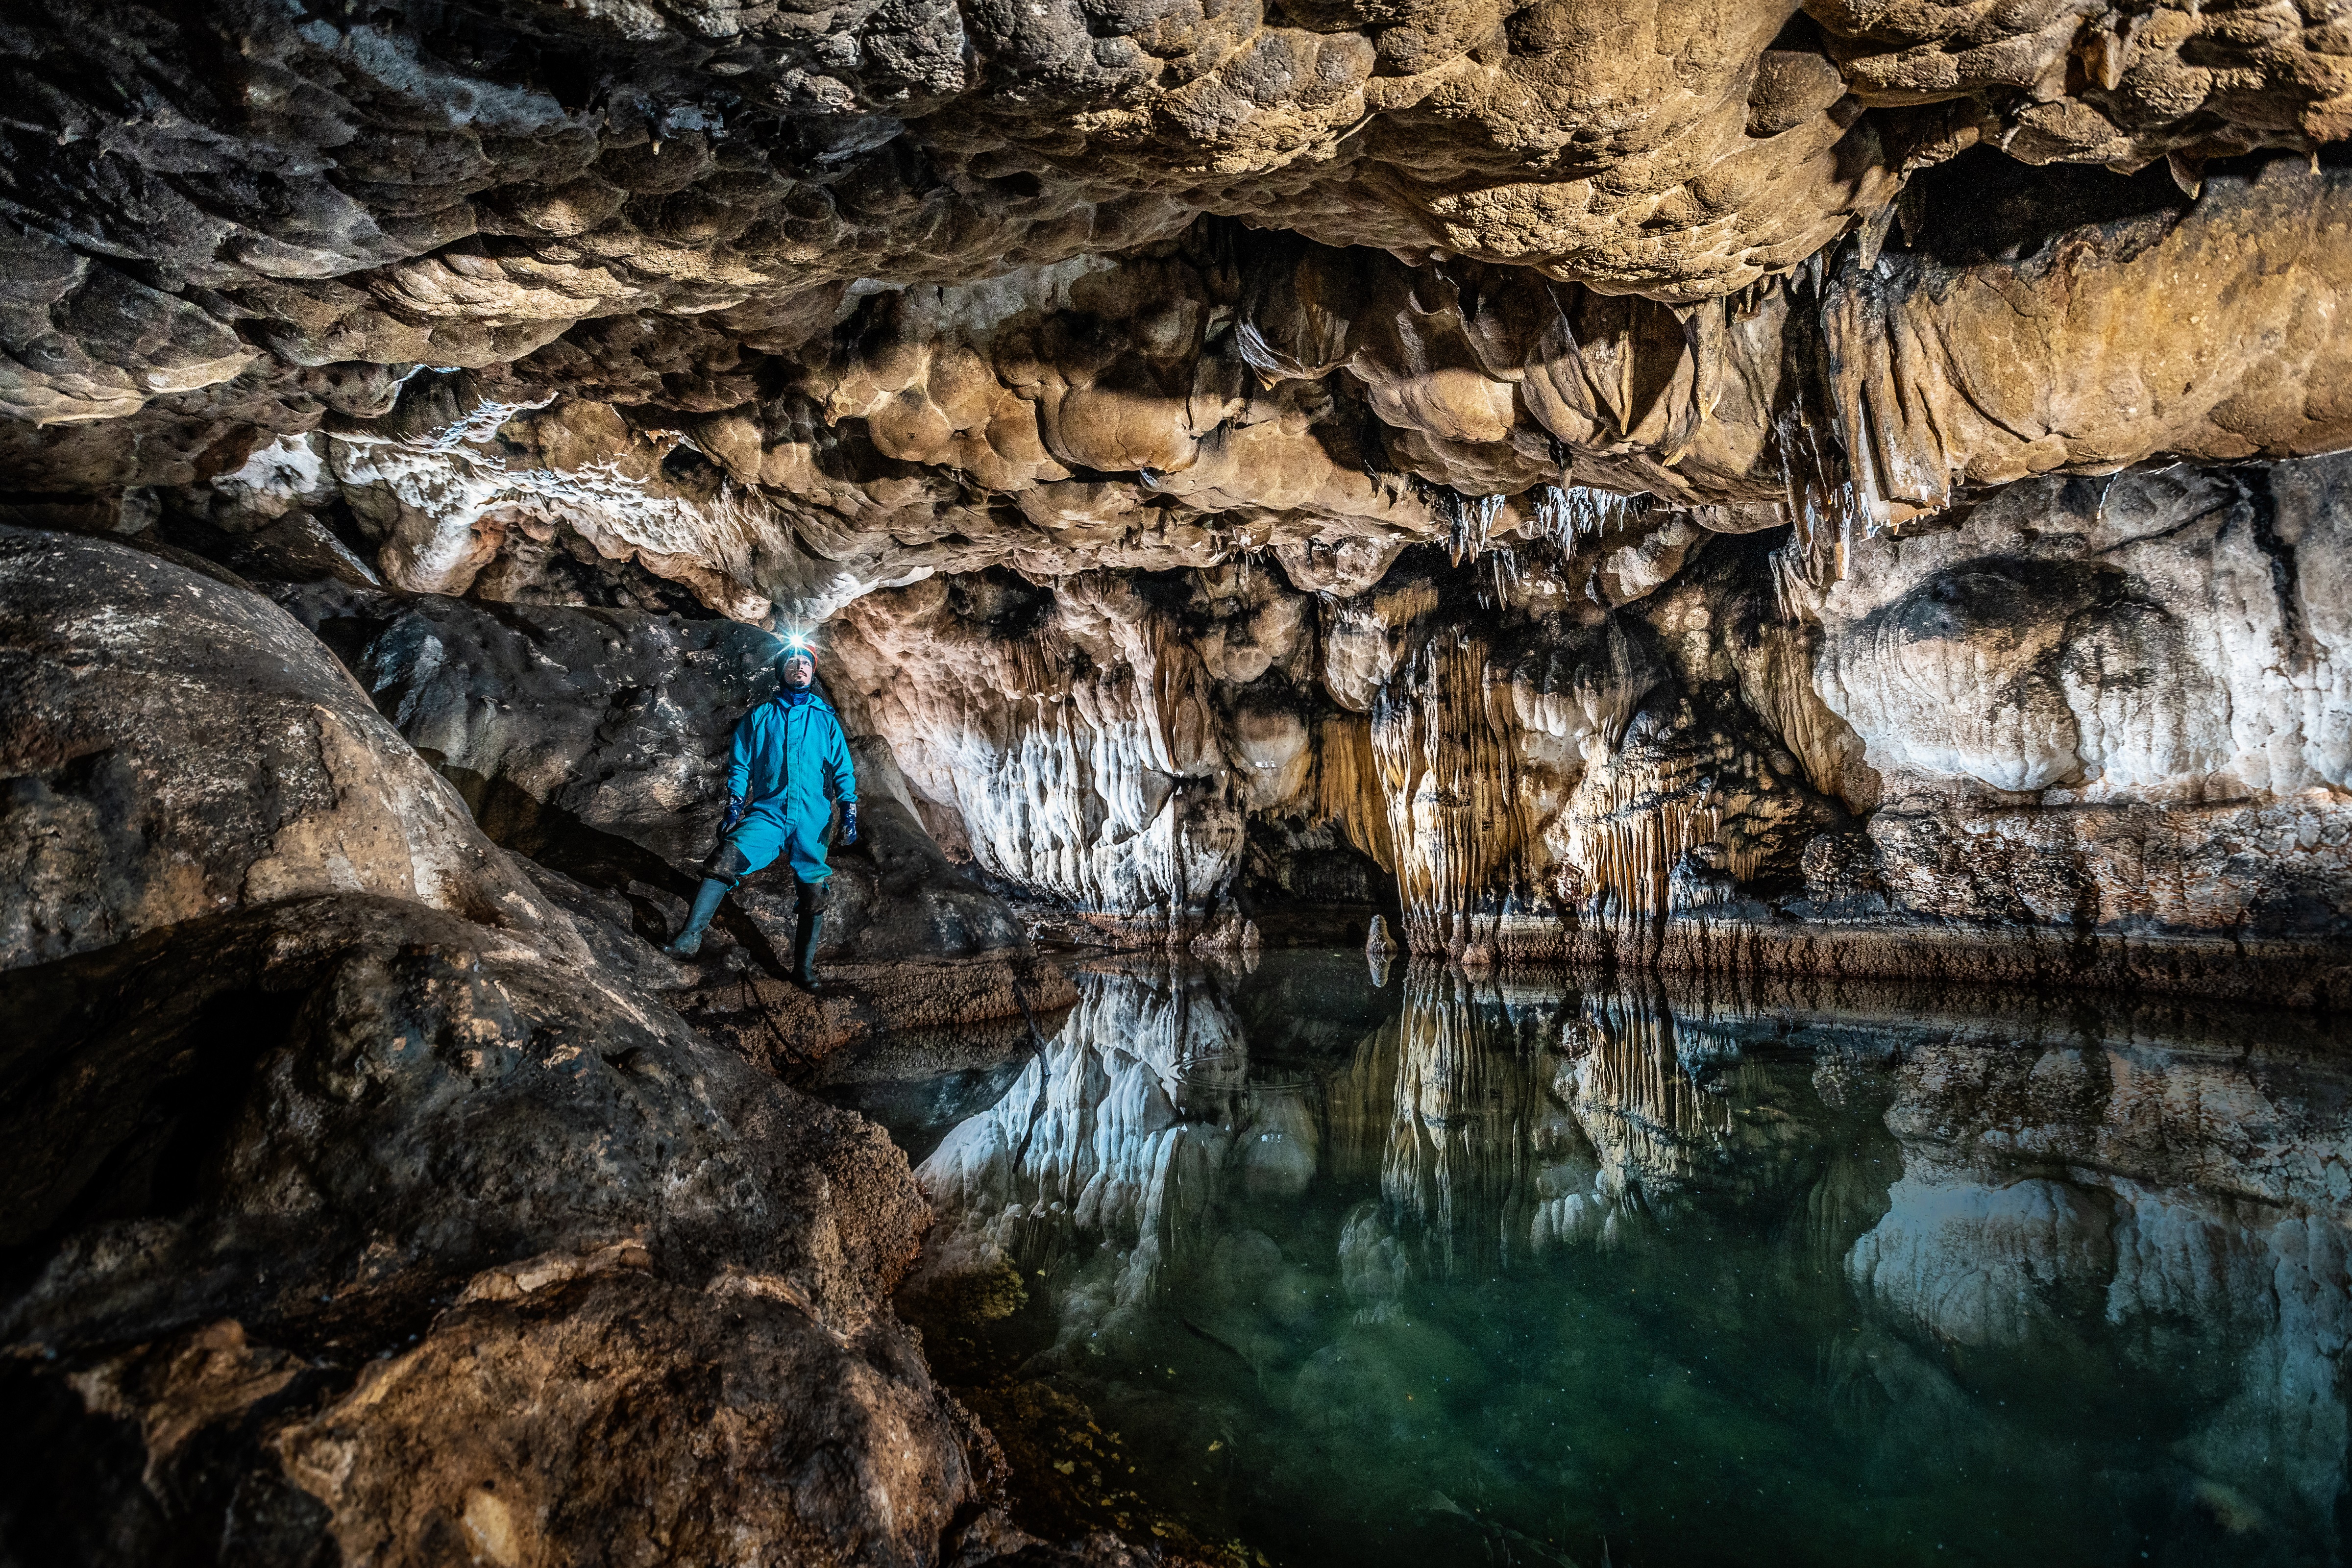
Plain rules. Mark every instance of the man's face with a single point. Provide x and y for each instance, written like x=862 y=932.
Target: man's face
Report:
x=799 y=669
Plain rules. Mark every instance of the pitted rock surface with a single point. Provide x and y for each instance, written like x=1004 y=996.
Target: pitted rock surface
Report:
x=353 y=1210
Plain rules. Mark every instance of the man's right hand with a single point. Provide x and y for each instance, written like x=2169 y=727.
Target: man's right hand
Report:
x=737 y=805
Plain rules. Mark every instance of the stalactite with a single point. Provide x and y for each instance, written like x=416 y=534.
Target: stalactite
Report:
x=1823 y=497
x=1348 y=787
x=1442 y=735
x=1574 y=515
x=1628 y=830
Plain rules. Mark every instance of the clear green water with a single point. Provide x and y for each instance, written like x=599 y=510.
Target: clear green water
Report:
x=1452 y=1271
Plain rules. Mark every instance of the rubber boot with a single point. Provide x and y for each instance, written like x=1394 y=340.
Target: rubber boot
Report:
x=804 y=940
x=688 y=941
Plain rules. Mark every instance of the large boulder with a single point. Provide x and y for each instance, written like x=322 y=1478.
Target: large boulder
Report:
x=341 y=1220
x=173 y=746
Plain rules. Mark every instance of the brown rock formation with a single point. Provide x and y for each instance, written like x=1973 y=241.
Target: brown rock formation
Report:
x=124 y=673
x=698 y=373
x=355 y=1209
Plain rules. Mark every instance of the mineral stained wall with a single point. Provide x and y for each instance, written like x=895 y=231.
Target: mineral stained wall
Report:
x=1719 y=485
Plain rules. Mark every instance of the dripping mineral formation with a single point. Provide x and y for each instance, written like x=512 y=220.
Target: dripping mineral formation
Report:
x=1730 y=489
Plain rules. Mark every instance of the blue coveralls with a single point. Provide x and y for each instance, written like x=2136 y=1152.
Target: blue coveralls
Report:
x=792 y=760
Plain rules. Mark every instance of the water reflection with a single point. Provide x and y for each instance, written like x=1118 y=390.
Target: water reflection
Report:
x=1463 y=1265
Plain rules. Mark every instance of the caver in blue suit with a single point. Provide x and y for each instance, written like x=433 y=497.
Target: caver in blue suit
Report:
x=789 y=764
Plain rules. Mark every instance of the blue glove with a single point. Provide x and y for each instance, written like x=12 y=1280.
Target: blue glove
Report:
x=737 y=805
x=849 y=822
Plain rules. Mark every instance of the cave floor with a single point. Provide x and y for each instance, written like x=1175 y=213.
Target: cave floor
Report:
x=1312 y=1262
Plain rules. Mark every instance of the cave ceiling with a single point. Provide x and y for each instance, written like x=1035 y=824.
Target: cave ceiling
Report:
x=783 y=305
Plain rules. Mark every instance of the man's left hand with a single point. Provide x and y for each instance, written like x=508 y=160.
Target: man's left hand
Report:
x=849 y=822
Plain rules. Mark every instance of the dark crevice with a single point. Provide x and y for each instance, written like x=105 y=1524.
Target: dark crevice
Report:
x=1986 y=206
x=2262 y=526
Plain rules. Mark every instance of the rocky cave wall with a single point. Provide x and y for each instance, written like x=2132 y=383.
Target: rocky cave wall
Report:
x=1844 y=491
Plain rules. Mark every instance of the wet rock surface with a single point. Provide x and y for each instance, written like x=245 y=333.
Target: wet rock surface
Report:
x=319 y=1230
x=2049 y=740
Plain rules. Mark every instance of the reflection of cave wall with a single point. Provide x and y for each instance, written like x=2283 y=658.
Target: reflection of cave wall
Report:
x=2006 y=1190
x=2081 y=1183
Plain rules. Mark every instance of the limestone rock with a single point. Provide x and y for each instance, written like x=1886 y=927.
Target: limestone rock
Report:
x=789 y=309
x=1205 y=397
x=1730 y=489
x=389 y=1176
x=177 y=746
x=348 y=1224
x=2143 y=660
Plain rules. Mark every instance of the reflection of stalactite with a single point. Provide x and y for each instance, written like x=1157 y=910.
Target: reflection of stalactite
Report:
x=1637 y=1100
x=2040 y=1197
x=1443 y=1105
x=1444 y=738
x=1097 y=1136
x=1458 y=1157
